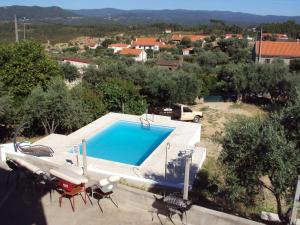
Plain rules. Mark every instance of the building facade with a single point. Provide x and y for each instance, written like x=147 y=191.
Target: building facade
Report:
x=139 y=55
x=270 y=51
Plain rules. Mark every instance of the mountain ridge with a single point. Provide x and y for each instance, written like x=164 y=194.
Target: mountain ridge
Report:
x=34 y=12
x=182 y=16
x=179 y=16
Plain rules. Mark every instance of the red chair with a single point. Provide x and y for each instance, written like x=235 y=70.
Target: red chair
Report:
x=70 y=190
x=71 y=185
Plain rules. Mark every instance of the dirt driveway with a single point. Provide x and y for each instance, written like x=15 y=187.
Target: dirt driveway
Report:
x=215 y=116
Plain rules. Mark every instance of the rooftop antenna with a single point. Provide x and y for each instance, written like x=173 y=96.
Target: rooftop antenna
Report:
x=16 y=29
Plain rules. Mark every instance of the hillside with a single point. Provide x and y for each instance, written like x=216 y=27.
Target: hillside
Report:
x=34 y=12
x=180 y=16
x=186 y=17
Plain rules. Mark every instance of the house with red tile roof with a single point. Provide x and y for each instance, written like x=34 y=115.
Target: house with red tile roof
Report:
x=139 y=55
x=118 y=47
x=268 y=51
x=178 y=37
x=147 y=43
x=80 y=64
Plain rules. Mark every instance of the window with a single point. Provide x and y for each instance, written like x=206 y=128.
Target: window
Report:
x=268 y=61
x=186 y=109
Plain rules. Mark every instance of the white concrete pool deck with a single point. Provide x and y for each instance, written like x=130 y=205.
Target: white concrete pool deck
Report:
x=152 y=169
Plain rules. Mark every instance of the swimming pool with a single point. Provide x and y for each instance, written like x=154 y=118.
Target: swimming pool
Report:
x=127 y=142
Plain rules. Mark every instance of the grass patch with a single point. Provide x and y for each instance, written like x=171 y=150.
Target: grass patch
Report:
x=205 y=109
x=251 y=109
x=210 y=165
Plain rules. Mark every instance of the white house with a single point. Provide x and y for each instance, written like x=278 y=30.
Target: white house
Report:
x=118 y=47
x=147 y=43
x=80 y=64
x=92 y=46
x=187 y=51
x=139 y=55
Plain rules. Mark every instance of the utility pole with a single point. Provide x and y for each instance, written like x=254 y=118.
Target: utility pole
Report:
x=16 y=29
x=24 y=27
x=24 y=30
x=260 y=44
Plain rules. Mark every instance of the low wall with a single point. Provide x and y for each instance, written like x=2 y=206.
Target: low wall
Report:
x=196 y=215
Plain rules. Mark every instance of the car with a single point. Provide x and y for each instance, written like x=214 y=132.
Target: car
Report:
x=178 y=112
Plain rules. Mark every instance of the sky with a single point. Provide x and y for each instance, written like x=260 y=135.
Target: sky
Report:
x=261 y=7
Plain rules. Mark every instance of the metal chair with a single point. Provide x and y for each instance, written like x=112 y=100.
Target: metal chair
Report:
x=105 y=189
x=177 y=205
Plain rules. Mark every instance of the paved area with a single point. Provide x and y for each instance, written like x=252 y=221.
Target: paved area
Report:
x=27 y=206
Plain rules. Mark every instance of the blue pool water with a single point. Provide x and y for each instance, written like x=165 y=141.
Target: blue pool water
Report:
x=127 y=142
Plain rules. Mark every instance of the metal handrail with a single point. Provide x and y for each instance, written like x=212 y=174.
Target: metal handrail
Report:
x=16 y=134
x=144 y=120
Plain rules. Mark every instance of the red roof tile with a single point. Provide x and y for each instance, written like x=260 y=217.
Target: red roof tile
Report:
x=131 y=51
x=179 y=37
x=148 y=41
x=278 y=49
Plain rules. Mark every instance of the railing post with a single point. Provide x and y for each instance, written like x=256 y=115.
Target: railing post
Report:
x=186 y=178
x=2 y=154
x=84 y=160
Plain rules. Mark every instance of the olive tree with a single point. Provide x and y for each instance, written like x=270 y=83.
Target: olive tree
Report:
x=54 y=110
x=122 y=95
x=257 y=154
x=70 y=72
x=24 y=65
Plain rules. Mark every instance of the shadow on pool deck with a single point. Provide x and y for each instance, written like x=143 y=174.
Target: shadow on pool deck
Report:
x=18 y=207
x=175 y=173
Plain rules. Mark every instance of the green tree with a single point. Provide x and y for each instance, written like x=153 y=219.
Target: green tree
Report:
x=295 y=65
x=212 y=59
x=24 y=66
x=256 y=155
x=70 y=72
x=54 y=109
x=236 y=48
x=232 y=78
x=186 y=42
x=122 y=95
x=108 y=42
x=7 y=112
x=90 y=102
x=150 y=53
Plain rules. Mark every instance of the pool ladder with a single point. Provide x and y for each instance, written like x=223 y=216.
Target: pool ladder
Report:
x=145 y=122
